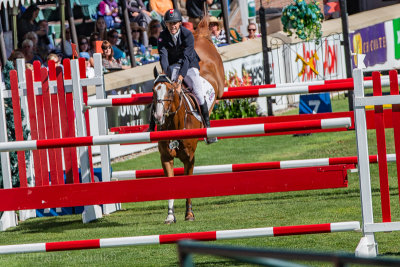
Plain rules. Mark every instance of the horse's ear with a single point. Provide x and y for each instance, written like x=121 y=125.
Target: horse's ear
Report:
x=155 y=72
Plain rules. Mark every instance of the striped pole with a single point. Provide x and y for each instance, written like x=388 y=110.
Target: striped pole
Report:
x=228 y=168
x=367 y=84
x=175 y=134
x=249 y=91
x=173 y=238
x=243 y=92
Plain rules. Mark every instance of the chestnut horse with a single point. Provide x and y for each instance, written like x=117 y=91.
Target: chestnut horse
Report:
x=172 y=112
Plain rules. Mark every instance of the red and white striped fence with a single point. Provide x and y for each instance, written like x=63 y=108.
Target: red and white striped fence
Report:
x=229 y=168
x=174 y=135
x=173 y=238
x=246 y=92
x=367 y=84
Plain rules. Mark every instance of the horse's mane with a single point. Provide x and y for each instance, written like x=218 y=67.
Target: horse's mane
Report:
x=202 y=30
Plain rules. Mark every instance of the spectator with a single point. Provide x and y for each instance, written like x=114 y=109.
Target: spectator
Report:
x=68 y=43
x=218 y=35
x=57 y=59
x=161 y=6
x=109 y=62
x=28 y=23
x=14 y=55
x=45 y=43
x=108 y=9
x=34 y=38
x=89 y=68
x=113 y=39
x=195 y=10
x=154 y=32
x=138 y=13
x=251 y=29
x=83 y=44
x=45 y=40
x=29 y=54
x=29 y=66
x=101 y=27
x=137 y=38
x=94 y=37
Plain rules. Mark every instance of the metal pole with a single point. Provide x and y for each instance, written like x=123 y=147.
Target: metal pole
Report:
x=128 y=33
x=267 y=75
x=62 y=21
x=2 y=46
x=224 y=6
x=14 y=13
x=71 y=23
x=346 y=44
x=4 y=14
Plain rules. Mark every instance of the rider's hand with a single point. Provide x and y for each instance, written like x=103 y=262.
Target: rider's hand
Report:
x=178 y=86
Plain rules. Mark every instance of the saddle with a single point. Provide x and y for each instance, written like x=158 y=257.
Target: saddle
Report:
x=191 y=104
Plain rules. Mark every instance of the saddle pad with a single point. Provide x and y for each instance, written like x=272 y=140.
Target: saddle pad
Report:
x=191 y=108
x=209 y=95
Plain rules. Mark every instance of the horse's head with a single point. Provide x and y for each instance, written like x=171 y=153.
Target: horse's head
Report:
x=166 y=100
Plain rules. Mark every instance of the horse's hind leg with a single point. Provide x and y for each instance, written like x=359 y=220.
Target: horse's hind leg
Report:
x=189 y=215
x=168 y=167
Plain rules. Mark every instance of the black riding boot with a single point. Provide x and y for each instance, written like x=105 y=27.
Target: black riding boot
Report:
x=206 y=117
x=152 y=122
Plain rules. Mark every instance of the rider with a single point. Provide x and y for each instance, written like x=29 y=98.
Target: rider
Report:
x=180 y=61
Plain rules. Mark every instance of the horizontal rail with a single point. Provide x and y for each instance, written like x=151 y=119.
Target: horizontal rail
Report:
x=367 y=84
x=229 y=168
x=173 y=238
x=175 y=134
x=245 y=92
x=376 y=100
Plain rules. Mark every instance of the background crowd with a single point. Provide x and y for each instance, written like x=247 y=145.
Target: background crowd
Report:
x=109 y=37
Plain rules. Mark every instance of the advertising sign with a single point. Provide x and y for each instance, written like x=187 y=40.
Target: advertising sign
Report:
x=370 y=41
x=396 y=33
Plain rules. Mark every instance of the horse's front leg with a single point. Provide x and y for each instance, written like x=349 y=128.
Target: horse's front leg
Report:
x=168 y=167
x=189 y=215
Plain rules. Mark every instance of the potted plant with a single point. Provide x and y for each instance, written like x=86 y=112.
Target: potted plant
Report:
x=303 y=19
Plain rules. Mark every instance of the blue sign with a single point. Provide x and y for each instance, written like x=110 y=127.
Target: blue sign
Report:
x=315 y=103
x=67 y=210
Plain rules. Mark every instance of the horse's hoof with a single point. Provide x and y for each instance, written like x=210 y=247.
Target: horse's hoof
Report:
x=189 y=217
x=170 y=219
x=211 y=140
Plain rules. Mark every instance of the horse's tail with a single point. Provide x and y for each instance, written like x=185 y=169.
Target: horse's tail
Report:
x=202 y=28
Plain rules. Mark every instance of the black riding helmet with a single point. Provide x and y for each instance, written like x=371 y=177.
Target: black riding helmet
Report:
x=172 y=15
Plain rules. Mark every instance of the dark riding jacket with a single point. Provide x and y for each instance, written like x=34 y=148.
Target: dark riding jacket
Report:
x=182 y=53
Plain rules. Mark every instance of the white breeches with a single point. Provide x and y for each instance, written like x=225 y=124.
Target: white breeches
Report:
x=192 y=80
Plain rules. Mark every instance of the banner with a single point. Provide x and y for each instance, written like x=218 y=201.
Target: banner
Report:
x=370 y=41
x=396 y=33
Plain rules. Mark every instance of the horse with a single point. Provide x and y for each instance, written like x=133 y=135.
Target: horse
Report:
x=171 y=111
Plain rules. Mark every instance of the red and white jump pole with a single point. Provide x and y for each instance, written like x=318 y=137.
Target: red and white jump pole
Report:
x=244 y=92
x=175 y=135
x=228 y=168
x=367 y=84
x=141 y=99
x=173 y=238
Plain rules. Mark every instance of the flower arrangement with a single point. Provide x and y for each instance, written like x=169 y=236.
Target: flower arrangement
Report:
x=303 y=19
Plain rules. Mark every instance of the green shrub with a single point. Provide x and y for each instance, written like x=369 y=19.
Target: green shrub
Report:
x=238 y=108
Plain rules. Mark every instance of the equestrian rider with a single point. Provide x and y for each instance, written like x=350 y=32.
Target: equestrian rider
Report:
x=179 y=60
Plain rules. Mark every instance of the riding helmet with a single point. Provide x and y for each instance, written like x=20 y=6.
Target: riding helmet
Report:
x=172 y=15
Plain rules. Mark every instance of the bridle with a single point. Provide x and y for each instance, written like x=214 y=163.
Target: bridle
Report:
x=162 y=78
x=170 y=99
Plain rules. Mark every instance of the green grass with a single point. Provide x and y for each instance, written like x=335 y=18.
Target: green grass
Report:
x=220 y=213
